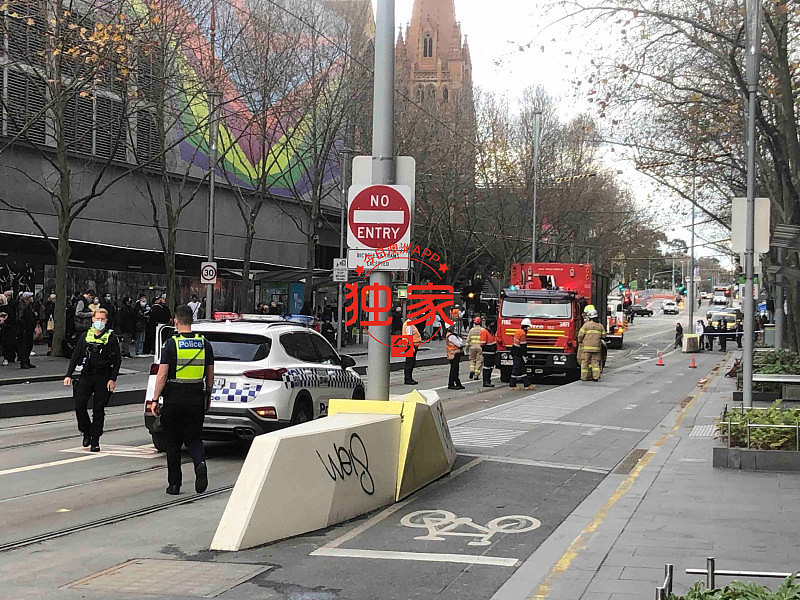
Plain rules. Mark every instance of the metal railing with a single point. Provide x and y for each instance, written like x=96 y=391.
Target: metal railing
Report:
x=711 y=572
x=663 y=592
x=748 y=426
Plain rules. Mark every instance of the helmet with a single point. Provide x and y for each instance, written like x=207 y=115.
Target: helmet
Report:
x=477 y=320
x=592 y=314
x=589 y=308
x=525 y=323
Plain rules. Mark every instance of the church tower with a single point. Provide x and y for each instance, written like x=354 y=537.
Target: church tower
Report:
x=432 y=59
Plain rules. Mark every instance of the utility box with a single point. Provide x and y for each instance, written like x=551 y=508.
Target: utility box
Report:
x=691 y=342
x=769 y=335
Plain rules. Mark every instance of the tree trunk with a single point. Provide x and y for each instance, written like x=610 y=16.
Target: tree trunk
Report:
x=308 y=288
x=169 y=263
x=246 y=302
x=62 y=261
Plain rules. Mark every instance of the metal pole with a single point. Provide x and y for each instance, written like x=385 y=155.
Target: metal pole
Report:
x=691 y=260
x=710 y=579
x=673 y=277
x=382 y=172
x=537 y=130
x=213 y=134
x=779 y=305
x=339 y=298
x=753 y=37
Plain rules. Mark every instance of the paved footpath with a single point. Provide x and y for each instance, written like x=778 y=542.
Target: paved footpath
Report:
x=673 y=507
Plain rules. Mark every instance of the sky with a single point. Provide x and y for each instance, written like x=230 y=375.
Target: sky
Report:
x=554 y=53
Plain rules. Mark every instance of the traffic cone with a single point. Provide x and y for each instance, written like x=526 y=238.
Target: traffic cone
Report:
x=660 y=361
x=691 y=364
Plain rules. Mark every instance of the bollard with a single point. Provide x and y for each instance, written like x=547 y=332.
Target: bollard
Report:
x=747 y=432
x=710 y=581
x=668 y=571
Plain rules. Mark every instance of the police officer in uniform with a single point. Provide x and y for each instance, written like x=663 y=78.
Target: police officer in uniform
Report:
x=185 y=379
x=97 y=351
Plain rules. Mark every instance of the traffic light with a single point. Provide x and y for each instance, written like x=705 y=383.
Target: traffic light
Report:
x=621 y=287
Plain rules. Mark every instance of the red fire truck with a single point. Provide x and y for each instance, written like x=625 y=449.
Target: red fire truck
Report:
x=552 y=296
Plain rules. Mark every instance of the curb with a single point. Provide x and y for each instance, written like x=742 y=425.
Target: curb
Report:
x=33 y=379
x=50 y=406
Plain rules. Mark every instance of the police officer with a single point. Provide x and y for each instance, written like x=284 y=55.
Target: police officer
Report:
x=489 y=348
x=97 y=351
x=519 y=351
x=185 y=379
x=590 y=338
x=475 y=349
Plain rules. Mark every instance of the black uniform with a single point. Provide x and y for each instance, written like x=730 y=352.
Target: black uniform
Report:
x=183 y=412
x=27 y=328
x=101 y=364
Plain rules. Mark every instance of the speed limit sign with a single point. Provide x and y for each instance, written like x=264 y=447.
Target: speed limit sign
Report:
x=208 y=272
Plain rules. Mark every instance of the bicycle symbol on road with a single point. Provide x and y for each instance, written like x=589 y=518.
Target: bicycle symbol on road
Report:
x=441 y=523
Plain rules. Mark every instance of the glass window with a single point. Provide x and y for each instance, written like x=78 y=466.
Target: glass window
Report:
x=427 y=46
x=445 y=95
x=540 y=309
x=239 y=347
x=299 y=346
x=325 y=353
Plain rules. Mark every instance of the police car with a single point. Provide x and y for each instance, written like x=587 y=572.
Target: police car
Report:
x=268 y=373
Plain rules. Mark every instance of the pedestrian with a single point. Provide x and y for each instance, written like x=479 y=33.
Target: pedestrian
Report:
x=454 y=344
x=142 y=319
x=475 y=349
x=185 y=380
x=489 y=348
x=437 y=326
x=194 y=304
x=678 y=335
x=700 y=330
x=397 y=321
x=8 y=328
x=159 y=315
x=723 y=335
x=708 y=333
x=26 y=330
x=410 y=328
x=95 y=304
x=699 y=301
x=107 y=302
x=739 y=333
x=82 y=312
x=49 y=322
x=590 y=338
x=97 y=352
x=758 y=327
x=126 y=327
x=464 y=321
x=519 y=351
x=455 y=317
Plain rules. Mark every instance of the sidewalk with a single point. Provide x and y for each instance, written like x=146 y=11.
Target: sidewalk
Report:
x=672 y=507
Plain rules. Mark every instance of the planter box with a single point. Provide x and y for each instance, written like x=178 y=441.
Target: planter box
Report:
x=758 y=396
x=756 y=460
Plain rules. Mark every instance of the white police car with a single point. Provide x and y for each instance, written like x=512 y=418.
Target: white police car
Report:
x=268 y=373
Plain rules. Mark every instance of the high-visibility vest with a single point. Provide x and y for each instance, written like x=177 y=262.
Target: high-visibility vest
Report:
x=590 y=335
x=474 y=336
x=191 y=363
x=451 y=349
x=415 y=333
x=488 y=342
x=520 y=337
x=102 y=340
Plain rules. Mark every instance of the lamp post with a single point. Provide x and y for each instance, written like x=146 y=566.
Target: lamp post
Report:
x=752 y=15
x=537 y=131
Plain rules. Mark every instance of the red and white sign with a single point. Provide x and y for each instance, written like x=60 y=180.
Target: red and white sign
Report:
x=378 y=216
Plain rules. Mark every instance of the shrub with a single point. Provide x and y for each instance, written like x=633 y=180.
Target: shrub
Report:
x=738 y=590
x=760 y=438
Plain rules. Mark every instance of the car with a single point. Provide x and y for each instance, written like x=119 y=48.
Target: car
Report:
x=719 y=298
x=731 y=321
x=668 y=307
x=640 y=310
x=269 y=373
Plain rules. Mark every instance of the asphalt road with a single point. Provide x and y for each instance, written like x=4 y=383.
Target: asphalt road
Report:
x=90 y=504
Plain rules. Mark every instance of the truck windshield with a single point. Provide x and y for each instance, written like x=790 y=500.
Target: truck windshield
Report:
x=538 y=309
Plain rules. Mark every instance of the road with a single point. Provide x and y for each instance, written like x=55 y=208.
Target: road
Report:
x=58 y=501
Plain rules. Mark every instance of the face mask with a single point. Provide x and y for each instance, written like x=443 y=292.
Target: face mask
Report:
x=98 y=325
x=108 y=298
x=143 y=303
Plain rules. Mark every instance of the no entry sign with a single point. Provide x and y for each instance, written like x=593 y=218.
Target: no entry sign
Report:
x=378 y=216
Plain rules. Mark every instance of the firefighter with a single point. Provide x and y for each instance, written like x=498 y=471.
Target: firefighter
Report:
x=408 y=369
x=454 y=344
x=489 y=349
x=475 y=349
x=519 y=351
x=590 y=338
x=97 y=351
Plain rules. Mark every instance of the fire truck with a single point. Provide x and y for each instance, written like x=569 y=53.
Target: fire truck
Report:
x=552 y=296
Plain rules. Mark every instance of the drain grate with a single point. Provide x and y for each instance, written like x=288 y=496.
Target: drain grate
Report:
x=628 y=463
x=685 y=401
x=169 y=578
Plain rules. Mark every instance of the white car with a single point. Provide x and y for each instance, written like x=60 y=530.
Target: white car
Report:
x=268 y=373
x=668 y=307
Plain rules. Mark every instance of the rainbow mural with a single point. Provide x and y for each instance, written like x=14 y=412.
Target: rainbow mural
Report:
x=282 y=159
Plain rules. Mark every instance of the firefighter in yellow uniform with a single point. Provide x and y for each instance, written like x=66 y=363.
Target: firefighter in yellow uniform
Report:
x=584 y=320
x=475 y=347
x=590 y=339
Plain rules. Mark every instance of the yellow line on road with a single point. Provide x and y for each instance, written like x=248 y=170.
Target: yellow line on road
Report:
x=579 y=543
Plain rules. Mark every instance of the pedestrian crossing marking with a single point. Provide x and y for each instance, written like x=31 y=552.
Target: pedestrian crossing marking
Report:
x=144 y=451
x=483 y=437
x=703 y=431
x=537 y=421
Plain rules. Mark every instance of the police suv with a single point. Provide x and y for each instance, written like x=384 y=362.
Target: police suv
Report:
x=269 y=373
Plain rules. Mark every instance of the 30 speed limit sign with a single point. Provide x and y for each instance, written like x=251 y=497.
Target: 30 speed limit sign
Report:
x=208 y=272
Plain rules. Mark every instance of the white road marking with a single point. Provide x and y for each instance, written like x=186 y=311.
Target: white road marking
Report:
x=537 y=463
x=50 y=464
x=630 y=407
x=468 y=559
x=537 y=421
x=483 y=437
x=143 y=451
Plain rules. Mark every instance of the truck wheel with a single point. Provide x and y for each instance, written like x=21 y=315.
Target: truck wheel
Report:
x=505 y=374
x=159 y=441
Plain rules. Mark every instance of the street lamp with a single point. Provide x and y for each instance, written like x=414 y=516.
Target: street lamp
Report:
x=537 y=127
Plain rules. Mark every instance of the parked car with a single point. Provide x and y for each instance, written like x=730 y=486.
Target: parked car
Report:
x=268 y=374
x=669 y=307
x=641 y=311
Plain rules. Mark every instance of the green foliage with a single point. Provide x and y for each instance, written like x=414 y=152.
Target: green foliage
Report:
x=761 y=438
x=777 y=362
x=739 y=590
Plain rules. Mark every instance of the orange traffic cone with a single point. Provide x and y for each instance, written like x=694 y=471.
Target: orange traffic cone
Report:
x=660 y=361
x=692 y=365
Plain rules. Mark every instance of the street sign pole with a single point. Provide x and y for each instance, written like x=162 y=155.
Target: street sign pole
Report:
x=340 y=299
x=382 y=172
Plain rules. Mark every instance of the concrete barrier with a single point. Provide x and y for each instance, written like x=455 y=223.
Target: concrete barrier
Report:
x=311 y=476
x=426 y=450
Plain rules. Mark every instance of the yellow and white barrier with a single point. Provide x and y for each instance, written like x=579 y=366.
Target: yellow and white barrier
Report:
x=365 y=455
